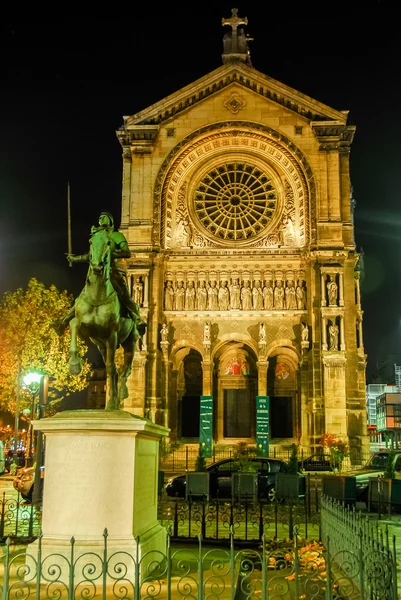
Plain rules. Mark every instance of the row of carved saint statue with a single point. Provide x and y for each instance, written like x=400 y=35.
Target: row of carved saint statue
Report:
x=278 y=295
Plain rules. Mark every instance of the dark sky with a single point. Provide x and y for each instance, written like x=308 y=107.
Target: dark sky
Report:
x=65 y=86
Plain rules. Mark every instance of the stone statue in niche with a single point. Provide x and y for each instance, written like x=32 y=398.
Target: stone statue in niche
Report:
x=279 y=296
x=169 y=296
x=333 y=336
x=212 y=296
x=268 y=296
x=257 y=296
x=235 y=295
x=332 y=291
x=290 y=296
x=262 y=333
x=301 y=295
x=179 y=296
x=138 y=292
x=224 y=295
x=202 y=296
x=164 y=332
x=305 y=332
x=246 y=296
x=190 y=294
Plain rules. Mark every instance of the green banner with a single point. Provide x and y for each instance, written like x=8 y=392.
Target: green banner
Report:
x=262 y=425
x=206 y=426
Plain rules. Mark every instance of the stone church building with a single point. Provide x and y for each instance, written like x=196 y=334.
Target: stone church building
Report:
x=237 y=208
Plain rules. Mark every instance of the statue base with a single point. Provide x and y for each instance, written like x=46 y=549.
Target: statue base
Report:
x=101 y=473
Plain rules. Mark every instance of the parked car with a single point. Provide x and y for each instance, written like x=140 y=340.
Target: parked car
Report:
x=375 y=466
x=316 y=462
x=220 y=478
x=24 y=482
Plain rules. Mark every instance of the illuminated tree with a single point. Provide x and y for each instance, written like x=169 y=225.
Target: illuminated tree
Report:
x=28 y=342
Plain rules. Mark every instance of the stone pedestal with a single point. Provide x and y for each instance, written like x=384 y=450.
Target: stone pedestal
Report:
x=101 y=471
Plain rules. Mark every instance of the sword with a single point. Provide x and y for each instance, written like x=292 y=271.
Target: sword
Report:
x=69 y=222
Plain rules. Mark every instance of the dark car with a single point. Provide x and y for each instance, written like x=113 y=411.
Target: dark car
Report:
x=316 y=462
x=375 y=467
x=220 y=478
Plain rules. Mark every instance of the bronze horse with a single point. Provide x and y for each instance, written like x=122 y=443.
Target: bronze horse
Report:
x=98 y=319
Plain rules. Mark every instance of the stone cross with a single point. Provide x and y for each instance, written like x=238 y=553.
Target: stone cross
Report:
x=234 y=22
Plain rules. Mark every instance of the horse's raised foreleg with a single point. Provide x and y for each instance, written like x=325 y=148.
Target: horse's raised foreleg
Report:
x=75 y=361
x=113 y=402
x=129 y=349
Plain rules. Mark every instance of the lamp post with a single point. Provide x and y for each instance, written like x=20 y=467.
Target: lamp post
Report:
x=32 y=382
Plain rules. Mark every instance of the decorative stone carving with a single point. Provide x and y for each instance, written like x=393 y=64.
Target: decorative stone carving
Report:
x=212 y=295
x=179 y=296
x=235 y=295
x=279 y=296
x=301 y=295
x=190 y=295
x=201 y=296
x=290 y=296
x=224 y=296
x=257 y=296
x=138 y=292
x=169 y=296
x=164 y=344
x=246 y=296
x=332 y=291
x=268 y=296
x=333 y=336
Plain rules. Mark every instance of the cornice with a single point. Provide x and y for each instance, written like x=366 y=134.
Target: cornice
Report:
x=334 y=135
x=243 y=75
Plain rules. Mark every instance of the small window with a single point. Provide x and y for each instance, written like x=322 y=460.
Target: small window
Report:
x=170 y=132
x=298 y=129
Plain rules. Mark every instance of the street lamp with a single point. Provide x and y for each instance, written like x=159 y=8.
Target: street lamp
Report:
x=32 y=382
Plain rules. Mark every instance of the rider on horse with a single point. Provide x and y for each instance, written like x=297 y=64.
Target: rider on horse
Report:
x=118 y=276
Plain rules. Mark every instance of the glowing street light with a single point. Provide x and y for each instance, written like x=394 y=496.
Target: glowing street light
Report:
x=32 y=381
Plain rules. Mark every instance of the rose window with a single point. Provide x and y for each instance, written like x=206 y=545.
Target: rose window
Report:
x=235 y=201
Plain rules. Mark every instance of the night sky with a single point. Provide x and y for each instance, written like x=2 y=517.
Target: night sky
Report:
x=65 y=87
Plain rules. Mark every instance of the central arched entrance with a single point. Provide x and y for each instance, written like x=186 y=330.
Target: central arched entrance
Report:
x=235 y=390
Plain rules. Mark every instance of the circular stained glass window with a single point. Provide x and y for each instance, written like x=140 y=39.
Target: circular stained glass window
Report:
x=235 y=201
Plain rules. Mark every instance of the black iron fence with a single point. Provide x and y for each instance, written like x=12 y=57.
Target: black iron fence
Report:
x=19 y=522
x=276 y=570
x=245 y=520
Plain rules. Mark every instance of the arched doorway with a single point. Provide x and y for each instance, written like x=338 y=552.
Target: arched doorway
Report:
x=190 y=389
x=236 y=387
x=282 y=389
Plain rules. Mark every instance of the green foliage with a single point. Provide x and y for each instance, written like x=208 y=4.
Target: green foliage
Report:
x=292 y=465
x=243 y=453
x=389 y=471
x=29 y=340
x=200 y=464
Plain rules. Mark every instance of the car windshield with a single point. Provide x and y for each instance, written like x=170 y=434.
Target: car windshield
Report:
x=378 y=461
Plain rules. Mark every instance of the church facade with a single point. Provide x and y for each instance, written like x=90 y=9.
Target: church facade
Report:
x=237 y=208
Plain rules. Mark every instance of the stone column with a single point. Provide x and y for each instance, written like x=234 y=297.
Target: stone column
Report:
x=335 y=402
x=146 y=291
x=101 y=472
x=126 y=186
x=342 y=333
x=262 y=366
x=323 y=282
x=324 y=333
x=360 y=331
x=358 y=290
x=341 y=288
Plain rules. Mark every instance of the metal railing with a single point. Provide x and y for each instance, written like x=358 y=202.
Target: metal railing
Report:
x=362 y=557
x=184 y=458
x=19 y=521
x=246 y=520
x=279 y=570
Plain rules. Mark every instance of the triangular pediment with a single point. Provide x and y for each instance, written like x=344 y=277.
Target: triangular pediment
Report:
x=243 y=75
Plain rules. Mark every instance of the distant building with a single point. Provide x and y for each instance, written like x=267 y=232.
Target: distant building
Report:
x=96 y=391
x=383 y=405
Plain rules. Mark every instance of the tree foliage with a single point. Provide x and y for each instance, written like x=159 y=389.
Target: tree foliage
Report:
x=28 y=341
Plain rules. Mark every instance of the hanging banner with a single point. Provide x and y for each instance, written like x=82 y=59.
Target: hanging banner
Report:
x=262 y=425
x=206 y=426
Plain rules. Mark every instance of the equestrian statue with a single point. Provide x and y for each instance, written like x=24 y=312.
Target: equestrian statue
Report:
x=104 y=312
